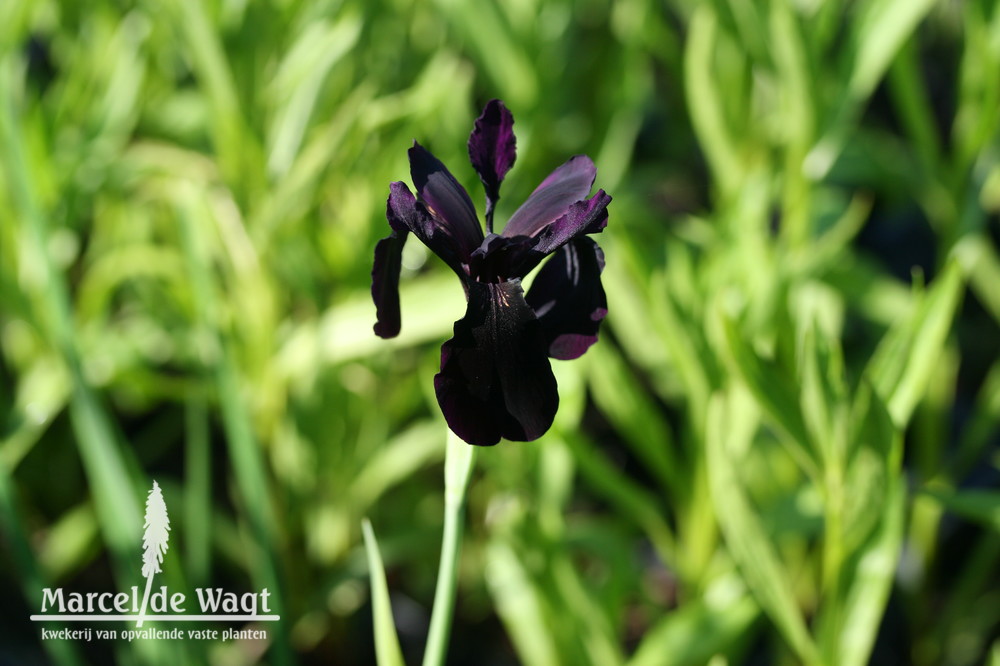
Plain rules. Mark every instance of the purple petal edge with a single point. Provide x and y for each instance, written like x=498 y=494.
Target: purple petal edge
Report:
x=588 y=216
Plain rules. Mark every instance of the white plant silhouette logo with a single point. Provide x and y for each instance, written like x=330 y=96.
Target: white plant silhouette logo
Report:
x=154 y=541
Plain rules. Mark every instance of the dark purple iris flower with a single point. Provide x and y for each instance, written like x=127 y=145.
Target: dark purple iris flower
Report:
x=495 y=380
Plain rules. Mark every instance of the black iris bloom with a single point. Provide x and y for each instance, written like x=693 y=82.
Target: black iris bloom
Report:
x=495 y=379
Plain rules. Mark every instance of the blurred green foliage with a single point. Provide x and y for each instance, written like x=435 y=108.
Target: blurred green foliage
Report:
x=782 y=451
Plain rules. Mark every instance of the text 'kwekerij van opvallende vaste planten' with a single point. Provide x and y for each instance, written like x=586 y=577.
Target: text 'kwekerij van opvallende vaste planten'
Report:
x=495 y=380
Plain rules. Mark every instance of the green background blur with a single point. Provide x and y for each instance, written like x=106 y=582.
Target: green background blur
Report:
x=782 y=451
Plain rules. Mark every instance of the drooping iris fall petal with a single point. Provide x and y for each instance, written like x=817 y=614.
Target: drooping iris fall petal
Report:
x=404 y=215
x=569 y=300
x=495 y=380
x=385 y=284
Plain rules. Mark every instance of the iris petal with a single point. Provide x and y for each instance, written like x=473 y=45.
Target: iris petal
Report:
x=569 y=300
x=385 y=283
x=588 y=216
x=568 y=184
x=404 y=212
x=447 y=200
x=495 y=380
x=403 y=215
x=493 y=148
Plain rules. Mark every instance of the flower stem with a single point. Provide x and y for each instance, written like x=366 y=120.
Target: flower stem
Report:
x=489 y=217
x=458 y=462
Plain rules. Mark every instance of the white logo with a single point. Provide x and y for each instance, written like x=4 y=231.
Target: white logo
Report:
x=154 y=541
x=162 y=605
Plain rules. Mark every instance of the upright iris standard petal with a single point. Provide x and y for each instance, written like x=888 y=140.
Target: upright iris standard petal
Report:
x=447 y=201
x=495 y=381
x=569 y=300
x=568 y=184
x=493 y=149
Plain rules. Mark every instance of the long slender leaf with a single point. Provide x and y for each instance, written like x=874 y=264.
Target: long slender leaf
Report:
x=745 y=537
x=387 y=649
x=982 y=506
x=907 y=355
x=775 y=391
x=871 y=582
x=698 y=631
x=520 y=606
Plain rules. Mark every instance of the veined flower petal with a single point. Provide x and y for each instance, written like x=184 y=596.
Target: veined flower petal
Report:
x=495 y=380
x=568 y=184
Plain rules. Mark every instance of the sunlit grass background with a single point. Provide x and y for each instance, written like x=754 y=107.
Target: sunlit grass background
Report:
x=782 y=451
